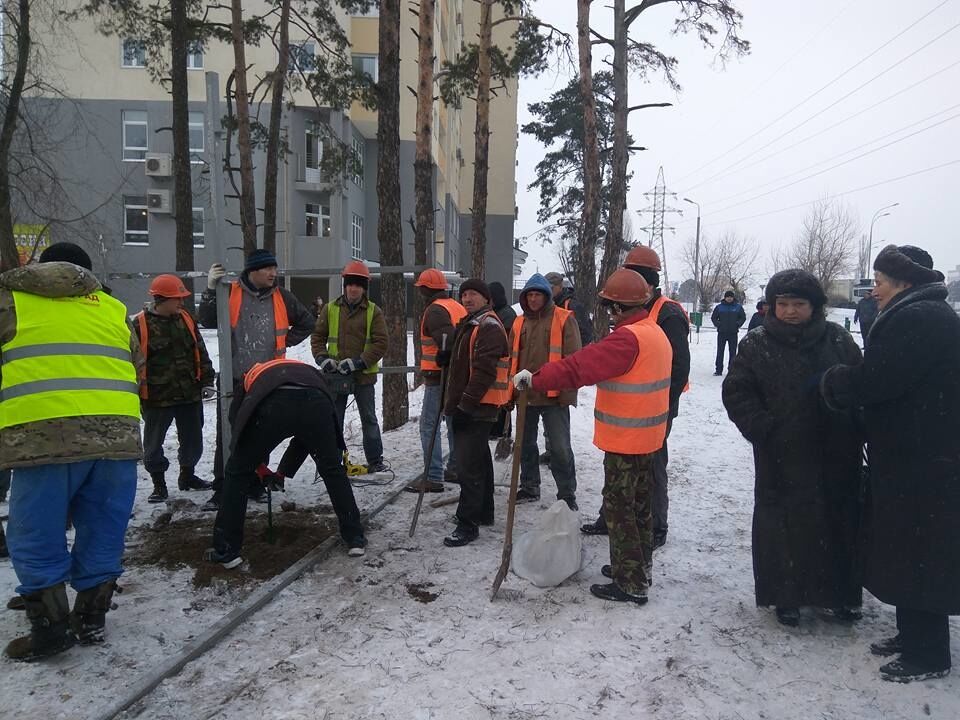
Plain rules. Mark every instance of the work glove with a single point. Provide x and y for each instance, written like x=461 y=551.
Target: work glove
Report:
x=351 y=365
x=208 y=393
x=270 y=479
x=328 y=365
x=217 y=271
x=443 y=358
x=523 y=380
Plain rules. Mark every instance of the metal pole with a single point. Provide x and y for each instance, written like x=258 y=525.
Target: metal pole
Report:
x=696 y=261
x=876 y=216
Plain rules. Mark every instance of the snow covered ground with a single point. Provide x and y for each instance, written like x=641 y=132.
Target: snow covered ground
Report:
x=355 y=639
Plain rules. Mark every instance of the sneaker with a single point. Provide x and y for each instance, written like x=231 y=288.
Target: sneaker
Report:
x=612 y=591
x=595 y=528
x=659 y=539
x=882 y=648
x=378 y=466
x=571 y=503
x=213 y=504
x=16 y=603
x=525 y=496
x=788 y=616
x=463 y=535
x=430 y=486
x=356 y=548
x=228 y=560
x=904 y=671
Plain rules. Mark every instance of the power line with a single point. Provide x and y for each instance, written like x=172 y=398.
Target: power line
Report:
x=813 y=95
x=828 y=107
x=847 y=152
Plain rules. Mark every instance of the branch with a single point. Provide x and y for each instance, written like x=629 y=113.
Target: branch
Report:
x=648 y=105
x=601 y=40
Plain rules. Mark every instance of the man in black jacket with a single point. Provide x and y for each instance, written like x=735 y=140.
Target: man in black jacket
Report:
x=728 y=317
x=865 y=315
x=564 y=297
x=277 y=400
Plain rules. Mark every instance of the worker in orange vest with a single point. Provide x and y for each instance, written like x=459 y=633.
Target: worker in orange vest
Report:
x=631 y=369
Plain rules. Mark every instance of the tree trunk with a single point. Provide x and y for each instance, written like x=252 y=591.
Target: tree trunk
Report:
x=248 y=203
x=273 y=134
x=389 y=228
x=613 y=241
x=585 y=274
x=9 y=257
x=423 y=161
x=478 y=235
x=182 y=182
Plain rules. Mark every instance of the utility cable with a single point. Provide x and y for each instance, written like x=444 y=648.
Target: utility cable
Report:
x=813 y=95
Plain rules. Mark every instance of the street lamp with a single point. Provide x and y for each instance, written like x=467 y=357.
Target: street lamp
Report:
x=876 y=216
x=696 y=259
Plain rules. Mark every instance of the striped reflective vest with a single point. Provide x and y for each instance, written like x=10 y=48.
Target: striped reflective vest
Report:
x=254 y=372
x=70 y=357
x=428 y=346
x=556 y=344
x=499 y=392
x=141 y=318
x=655 y=316
x=333 y=333
x=281 y=322
x=631 y=412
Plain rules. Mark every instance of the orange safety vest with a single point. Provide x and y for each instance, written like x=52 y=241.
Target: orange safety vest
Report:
x=655 y=316
x=631 y=411
x=499 y=392
x=556 y=344
x=145 y=346
x=254 y=372
x=280 y=320
x=428 y=347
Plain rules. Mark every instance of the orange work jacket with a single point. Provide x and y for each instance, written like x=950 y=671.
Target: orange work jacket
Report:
x=428 y=347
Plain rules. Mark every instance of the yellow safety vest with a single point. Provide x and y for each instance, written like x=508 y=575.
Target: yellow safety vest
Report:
x=70 y=357
x=333 y=333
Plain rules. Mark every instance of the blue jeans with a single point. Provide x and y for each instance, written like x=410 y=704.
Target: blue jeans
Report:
x=556 y=425
x=366 y=397
x=429 y=427
x=98 y=497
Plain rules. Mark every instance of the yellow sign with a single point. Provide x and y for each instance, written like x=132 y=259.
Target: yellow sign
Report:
x=31 y=240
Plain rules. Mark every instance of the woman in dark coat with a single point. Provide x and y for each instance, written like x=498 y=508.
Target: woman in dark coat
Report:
x=909 y=388
x=807 y=459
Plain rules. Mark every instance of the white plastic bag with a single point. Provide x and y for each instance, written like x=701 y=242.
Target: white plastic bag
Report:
x=550 y=553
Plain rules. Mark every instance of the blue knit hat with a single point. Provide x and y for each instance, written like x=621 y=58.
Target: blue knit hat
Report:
x=259 y=259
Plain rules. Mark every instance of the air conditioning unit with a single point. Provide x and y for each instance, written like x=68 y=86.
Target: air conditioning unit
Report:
x=158 y=165
x=158 y=201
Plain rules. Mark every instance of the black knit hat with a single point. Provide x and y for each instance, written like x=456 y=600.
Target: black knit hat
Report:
x=66 y=252
x=797 y=284
x=730 y=293
x=477 y=285
x=907 y=264
x=259 y=259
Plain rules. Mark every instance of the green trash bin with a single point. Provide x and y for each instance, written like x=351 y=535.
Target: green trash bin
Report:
x=697 y=319
x=846 y=323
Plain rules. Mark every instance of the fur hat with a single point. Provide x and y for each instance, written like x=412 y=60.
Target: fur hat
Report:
x=477 y=285
x=797 y=284
x=66 y=252
x=907 y=264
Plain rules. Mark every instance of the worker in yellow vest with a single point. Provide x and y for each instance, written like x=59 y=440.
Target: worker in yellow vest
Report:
x=70 y=427
x=439 y=322
x=631 y=369
x=545 y=333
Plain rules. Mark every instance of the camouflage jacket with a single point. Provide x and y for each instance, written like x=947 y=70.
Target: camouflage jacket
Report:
x=61 y=440
x=171 y=361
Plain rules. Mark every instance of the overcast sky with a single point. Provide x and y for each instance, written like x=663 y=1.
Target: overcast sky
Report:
x=726 y=142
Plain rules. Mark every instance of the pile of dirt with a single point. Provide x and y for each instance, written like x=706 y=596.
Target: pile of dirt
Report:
x=179 y=543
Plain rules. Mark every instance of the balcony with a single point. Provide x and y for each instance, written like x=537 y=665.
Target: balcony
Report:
x=310 y=179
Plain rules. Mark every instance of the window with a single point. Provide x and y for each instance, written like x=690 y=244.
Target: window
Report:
x=313 y=156
x=136 y=220
x=198 y=227
x=318 y=220
x=195 y=120
x=366 y=64
x=133 y=53
x=195 y=55
x=356 y=239
x=134 y=134
x=358 y=161
x=302 y=58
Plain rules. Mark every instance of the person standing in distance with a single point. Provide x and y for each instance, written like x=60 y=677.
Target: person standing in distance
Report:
x=727 y=317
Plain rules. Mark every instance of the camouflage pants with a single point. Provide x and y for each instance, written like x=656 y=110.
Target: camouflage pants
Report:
x=627 y=500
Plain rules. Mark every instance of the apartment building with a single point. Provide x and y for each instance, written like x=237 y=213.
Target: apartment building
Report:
x=117 y=164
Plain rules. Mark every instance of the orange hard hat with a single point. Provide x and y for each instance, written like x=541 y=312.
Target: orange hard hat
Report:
x=356 y=268
x=626 y=287
x=643 y=256
x=168 y=286
x=431 y=278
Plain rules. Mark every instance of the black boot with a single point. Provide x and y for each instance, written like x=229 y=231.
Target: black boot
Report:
x=904 y=671
x=612 y=591
x=189 y=481
x=89 y=612
x=48 y=612
x=599 y=527
x=159 y=488
x=887 y=646
x=463 y=535
x=789 y=616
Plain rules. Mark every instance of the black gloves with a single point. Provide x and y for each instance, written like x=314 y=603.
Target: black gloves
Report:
x=443 y=358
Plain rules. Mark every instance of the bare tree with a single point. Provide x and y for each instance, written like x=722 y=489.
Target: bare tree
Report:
x=726 y=263
x=827 y=244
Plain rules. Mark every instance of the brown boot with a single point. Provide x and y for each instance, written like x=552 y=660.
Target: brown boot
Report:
x=48 y=612
x=88 y=618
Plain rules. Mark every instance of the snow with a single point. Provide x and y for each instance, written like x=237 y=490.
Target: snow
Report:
x=349 y=639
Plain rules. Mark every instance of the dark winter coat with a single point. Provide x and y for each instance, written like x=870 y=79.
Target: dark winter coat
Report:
x=567 y=301
x=866 y=314
x=465 y=389
x=728 y=318
x=807 y=461
x=503 y=309
x=909 y=388
x=756 y=321
x=171 y=371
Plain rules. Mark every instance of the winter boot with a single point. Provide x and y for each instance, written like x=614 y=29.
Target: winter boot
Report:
x=48 y=612
x=612 y=591
x=159 y=488
x=887 y=646
x=16 y=603
x=189 y=481
x=789 y=616
x=89 y=612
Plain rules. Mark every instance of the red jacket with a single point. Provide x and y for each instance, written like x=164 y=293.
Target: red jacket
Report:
x=612 y=356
